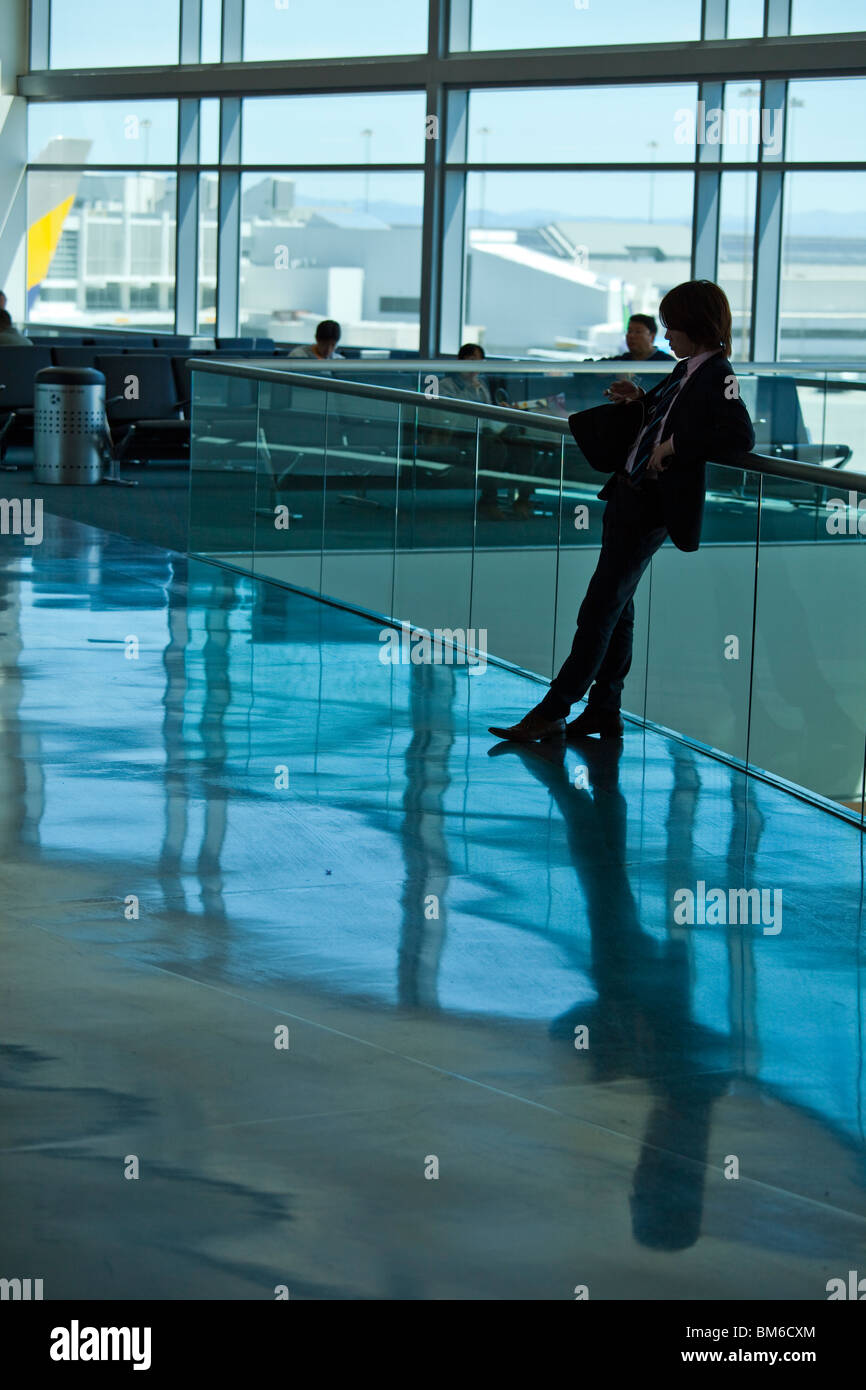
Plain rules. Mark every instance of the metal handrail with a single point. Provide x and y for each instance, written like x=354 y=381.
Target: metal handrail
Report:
x=752 y=462
x=539 y=366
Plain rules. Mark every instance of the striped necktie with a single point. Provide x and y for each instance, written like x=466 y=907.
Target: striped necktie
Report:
x=656 y=412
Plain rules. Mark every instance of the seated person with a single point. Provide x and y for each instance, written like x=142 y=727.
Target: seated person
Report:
x=9 y=335
x=327 y=337
x=640 y=338
x=495 y=440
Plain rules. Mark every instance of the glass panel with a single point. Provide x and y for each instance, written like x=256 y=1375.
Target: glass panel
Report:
x=580 y=536
x=826 y=16
x=745 y=19
x=211 y=30
x=822 y=307
x=102 y=132
x=736 y=254
x=582 y=125
x=114 y=33
x=101 y=248
x=386 y=128
x=826 y=120
x=566 y=278
x=208 y=194
x=223 y=468
x=209 y=131
x=498 y=24
x=436 y=519
x=742 y=125
x=808 y=717
x=340 y=246
x=332 y=28
x=363 y=452
x=291 y=464
x=516 y=533
x=700 y=622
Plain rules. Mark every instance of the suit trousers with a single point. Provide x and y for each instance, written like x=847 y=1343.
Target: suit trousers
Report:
x=633 y=529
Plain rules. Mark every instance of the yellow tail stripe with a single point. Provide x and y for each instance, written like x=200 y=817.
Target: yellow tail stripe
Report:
x=43 y=237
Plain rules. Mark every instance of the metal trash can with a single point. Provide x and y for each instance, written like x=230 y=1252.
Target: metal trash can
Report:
x=69 y=425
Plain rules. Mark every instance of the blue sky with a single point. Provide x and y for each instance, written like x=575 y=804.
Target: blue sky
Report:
x=88 y=33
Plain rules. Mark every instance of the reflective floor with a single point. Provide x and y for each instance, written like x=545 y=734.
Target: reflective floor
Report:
x=374 y=1014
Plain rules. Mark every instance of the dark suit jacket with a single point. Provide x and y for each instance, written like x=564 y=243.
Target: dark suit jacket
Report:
x=708 y=422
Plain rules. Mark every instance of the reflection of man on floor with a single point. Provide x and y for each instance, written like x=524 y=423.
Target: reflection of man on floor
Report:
x=641 y=1024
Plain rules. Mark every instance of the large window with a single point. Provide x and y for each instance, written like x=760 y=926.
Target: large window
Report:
x=384 y=128
x=101 y=248
x=208 y=193
x=826 y=121
x=564 y=204
x=557 y=262
x=333 y=28
x=102 y=132
x=823 y=280
x=580 y=125
x=344 y=246
x=497 y=24
x=827 y=16
x=736 y=253
x=114 y=33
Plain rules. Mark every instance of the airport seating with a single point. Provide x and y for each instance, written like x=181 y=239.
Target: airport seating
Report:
x=143 y=407
x=18 y=367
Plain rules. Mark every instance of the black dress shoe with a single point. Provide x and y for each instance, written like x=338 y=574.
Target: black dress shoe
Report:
x=607 y=723
x=532 y=728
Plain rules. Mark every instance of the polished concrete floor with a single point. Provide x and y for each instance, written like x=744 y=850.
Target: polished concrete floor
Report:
x=222 y=816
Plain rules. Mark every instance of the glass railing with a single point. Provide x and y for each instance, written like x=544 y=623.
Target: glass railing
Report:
x=483 y=523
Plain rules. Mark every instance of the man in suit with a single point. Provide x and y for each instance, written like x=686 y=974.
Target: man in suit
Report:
x=655 y=445
x=640 y=340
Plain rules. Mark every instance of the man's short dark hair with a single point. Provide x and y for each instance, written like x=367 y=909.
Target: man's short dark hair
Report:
x=5 y=318
x=470 y=350
x=647 y=320
x=328 y=331
x=700 y=309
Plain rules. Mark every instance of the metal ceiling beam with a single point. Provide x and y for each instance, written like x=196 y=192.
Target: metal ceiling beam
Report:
x=812 y=55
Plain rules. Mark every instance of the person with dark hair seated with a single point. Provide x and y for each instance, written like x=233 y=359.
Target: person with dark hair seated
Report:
x=328 y=335
x=498 y=444
x=640 y=339
x=655 y=445
x=9 y=335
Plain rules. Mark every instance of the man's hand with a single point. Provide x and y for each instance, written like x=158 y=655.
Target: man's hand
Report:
x=657 y=461
x=623 y=391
